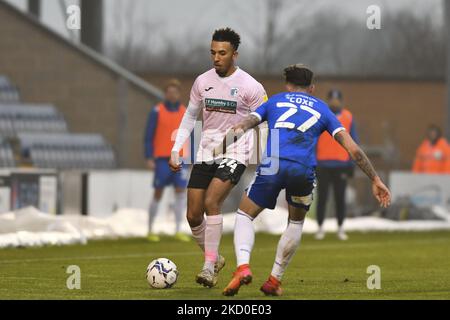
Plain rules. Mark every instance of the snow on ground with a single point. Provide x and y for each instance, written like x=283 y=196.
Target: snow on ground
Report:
x=29 y=227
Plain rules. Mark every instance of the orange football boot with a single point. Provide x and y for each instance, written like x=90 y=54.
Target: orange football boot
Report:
x=243 y=275
x=272 y=287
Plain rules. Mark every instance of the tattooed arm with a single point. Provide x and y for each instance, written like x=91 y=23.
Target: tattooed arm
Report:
x=237 y=131
x=248 y=123
x=356 y=153
x=380 y=191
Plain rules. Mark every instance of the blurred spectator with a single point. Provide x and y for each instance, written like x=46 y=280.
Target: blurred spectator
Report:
x=433 y=155
x=334 y=166
x=163 y=120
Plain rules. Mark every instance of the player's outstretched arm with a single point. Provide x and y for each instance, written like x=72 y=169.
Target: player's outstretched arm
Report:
x=183 y=133
x=248 y=123
x=380 y=191
x=237 y=131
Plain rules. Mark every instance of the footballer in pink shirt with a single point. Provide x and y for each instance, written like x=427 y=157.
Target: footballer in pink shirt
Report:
x=226 y=95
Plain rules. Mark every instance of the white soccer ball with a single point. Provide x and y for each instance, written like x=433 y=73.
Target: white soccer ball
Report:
x=162 y=273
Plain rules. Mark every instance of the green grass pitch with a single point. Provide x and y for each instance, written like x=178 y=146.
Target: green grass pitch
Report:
x=413 y=266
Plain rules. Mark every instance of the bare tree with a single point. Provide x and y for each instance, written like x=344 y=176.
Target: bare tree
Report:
x=133 y=35
x=34 y=7
x=274 y=8
x=143 y=45
x=289 y=31
x=409 y=47
x=282 y=21
x=92 y=20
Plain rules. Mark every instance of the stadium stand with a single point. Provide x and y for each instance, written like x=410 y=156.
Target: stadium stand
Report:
x=68 y=151
x=6 y=155
x=18 y=118
x=43 y=137
x=81 y=83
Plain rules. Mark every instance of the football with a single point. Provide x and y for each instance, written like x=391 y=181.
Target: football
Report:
x=162 y=273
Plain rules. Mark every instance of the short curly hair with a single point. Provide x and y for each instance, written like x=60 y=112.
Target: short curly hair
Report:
x=227 y=35
x=299 y=75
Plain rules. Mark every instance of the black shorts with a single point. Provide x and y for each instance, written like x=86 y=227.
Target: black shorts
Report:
x=227 y=169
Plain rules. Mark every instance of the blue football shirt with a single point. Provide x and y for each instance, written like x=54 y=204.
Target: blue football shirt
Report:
x=295 y=121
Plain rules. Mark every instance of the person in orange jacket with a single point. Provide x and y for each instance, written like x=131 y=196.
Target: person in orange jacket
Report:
x=163 y=120
x=433 y=155
x=334 y=166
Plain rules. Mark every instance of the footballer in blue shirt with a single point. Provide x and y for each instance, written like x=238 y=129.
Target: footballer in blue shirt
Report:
x=295 y=120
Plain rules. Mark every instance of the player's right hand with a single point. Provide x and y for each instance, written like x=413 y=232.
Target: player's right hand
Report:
x=174 y=162
x=381 y=192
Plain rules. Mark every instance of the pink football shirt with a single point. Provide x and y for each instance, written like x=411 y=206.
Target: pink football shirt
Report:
x=226 y=102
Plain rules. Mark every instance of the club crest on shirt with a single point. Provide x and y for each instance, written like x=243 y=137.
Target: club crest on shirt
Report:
x=234 y=92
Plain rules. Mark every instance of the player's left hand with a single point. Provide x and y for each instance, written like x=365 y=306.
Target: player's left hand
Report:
x=381 y=192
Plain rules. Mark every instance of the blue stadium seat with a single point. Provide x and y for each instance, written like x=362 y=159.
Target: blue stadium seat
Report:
x=68 y=151
x=8 y=92
x=43 y=136
x=22 y=118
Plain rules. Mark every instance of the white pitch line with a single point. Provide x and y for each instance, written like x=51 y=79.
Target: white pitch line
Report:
x=135 y=255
